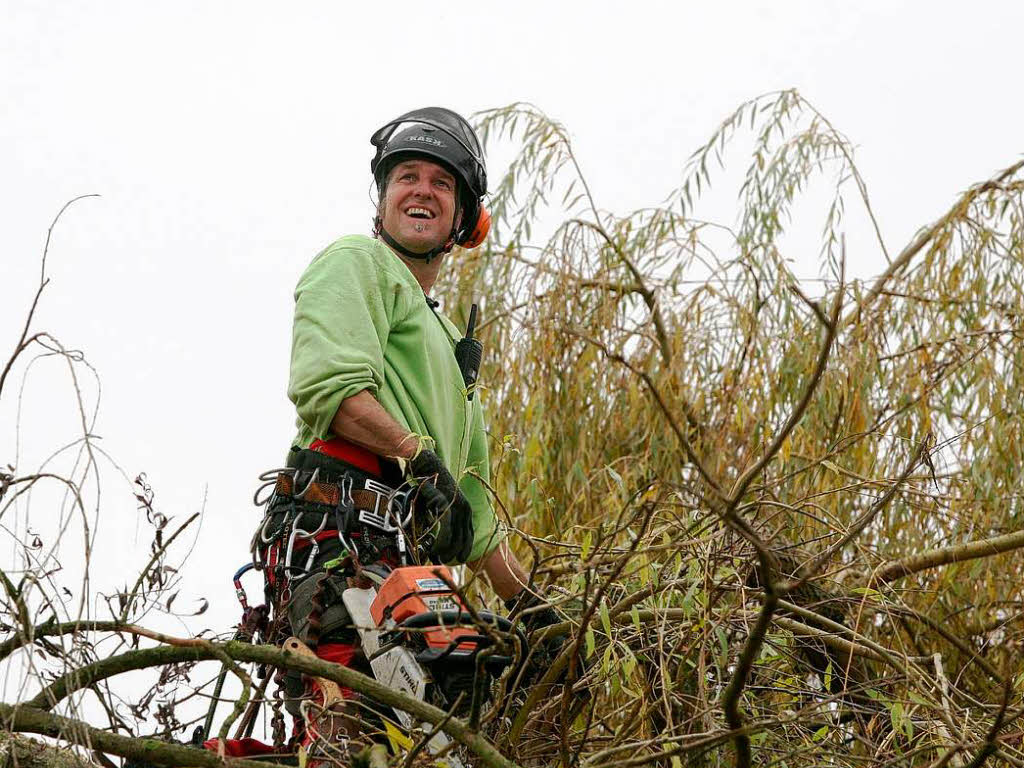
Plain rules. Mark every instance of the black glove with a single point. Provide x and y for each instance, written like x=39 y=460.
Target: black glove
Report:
x=538 y=617
x=438 y=500
x=537 y=613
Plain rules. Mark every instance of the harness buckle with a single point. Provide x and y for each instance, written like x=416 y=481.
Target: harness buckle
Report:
x=387 y=513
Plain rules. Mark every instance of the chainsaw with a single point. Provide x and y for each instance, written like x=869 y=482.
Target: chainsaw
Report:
x=421 y=640
x=416 y=632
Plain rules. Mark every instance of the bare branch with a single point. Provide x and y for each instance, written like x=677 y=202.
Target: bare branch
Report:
x=957 y=553
x=23 y=719
x=23 y=341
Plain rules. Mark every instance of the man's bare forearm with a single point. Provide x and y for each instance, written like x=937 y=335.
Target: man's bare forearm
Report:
x=507 y=576
x=362 y=420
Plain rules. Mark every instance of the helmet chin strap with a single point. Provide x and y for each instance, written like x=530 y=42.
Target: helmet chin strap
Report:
x=399 y=248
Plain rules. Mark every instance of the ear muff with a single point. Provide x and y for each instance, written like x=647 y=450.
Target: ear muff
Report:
x=479 y=233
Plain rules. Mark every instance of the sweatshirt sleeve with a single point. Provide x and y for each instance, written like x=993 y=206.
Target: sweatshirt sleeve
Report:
x=488 y=531
x=345 y=306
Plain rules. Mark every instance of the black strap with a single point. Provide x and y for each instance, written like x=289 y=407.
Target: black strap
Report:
x=427 y=257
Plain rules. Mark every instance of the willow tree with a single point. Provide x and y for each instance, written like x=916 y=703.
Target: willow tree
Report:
x=781 y=522
x=784 y=521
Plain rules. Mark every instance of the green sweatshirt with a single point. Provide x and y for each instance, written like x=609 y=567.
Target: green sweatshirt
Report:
x=362 y=322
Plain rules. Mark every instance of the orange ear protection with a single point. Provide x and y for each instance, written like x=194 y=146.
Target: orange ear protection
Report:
x=479 y=233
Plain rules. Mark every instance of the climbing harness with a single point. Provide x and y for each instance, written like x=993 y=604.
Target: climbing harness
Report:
x=343 y=582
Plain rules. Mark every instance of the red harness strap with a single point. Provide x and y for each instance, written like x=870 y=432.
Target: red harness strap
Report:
x=339 y=653
x=240 y=747
x=351 y=453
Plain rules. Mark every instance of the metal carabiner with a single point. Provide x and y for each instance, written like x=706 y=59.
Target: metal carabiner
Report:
x=269 y=480
x=312 y=479
x=314 y=550
x=346 y=504
x=319 y=528
x=289 y=551
x=239 y=589
x=347 y=483
x=264 y=538
x=314 y=546
x=398 y=502
x=401 y=546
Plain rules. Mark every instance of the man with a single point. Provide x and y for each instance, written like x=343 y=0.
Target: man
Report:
x=380 y=396
x=373 y=369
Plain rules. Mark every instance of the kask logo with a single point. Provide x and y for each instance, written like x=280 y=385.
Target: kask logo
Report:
x=426 y=140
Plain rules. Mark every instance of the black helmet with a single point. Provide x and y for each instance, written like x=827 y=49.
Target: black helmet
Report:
x=442 y=135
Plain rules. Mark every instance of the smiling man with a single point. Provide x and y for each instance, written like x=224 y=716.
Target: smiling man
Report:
x=374 y=376
x=421 y=209
x=382 y=403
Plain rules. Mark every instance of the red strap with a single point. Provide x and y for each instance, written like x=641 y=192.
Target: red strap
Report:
x=338 y=653
x=240 y=747
x=351 y=453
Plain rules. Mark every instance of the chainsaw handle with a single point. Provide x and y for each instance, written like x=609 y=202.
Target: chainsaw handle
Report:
x=452 y=618
x=455 y=618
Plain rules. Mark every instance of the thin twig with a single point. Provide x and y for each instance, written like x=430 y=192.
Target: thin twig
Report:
x=145 y=571
x=43 y=280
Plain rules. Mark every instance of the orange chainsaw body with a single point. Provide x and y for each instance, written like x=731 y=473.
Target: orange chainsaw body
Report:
x=417 y=589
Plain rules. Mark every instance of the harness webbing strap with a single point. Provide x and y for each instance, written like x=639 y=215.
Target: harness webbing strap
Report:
x=343 y=450
x=328 y=493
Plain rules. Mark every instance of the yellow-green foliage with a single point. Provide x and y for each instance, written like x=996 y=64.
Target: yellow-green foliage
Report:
x=620 y=338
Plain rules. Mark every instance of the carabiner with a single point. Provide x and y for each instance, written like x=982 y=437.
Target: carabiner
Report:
x=314 y=550
x=239 y=589
x=264 y=539
x=312 y=479
x=314 y=547
x=288 y=518
x=269 y=480
x=343 y=515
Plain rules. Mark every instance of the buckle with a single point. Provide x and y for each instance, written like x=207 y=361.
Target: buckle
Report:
x=381 y=506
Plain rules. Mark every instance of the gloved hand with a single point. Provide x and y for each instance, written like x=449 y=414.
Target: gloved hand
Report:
x=437 y=499
x=536 y=614
x=538 y=617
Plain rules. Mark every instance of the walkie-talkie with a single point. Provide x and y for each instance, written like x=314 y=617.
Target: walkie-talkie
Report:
x=469 y=352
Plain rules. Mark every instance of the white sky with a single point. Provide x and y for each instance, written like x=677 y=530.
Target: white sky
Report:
x=229 y=142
